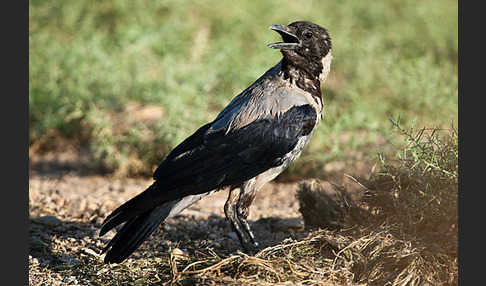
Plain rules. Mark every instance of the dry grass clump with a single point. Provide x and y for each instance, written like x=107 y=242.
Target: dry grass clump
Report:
x=407 y=234
x=358 y=256
x=419 y=191
x=304 y=262
x=322 y=204
x=326 y=205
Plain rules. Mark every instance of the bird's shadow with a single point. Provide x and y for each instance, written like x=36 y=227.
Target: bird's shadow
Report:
x=70 y=244
x=215 y=233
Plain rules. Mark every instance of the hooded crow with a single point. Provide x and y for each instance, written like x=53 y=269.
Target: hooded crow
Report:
x=252 y=140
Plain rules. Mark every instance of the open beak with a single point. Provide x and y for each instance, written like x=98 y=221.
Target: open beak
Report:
x=290 y=41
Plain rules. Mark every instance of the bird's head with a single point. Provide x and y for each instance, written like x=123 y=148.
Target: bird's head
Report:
x=306 y=46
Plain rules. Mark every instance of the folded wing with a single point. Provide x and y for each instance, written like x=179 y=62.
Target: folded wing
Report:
x=213 y=159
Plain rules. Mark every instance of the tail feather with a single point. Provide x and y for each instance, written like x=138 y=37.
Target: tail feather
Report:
x=141 y=216
x=136 y=206
x=134 y=233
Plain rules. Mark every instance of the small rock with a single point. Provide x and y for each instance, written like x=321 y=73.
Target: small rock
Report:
x=33 y=260
x=69 y=260
x=232 y=235
x=216 y=244
x=90 y=252
x=37 y=243
x=179 y=253
x=45 y=263
x=288 y=224
x=92 y=206
x=82 y=204
x=166 y=243
x=48 y=220
x=70 y=280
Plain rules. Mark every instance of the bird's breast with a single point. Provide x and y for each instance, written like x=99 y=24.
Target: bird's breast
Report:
x=272 y=173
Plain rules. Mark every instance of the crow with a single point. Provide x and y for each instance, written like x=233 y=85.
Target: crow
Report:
x=254 y=138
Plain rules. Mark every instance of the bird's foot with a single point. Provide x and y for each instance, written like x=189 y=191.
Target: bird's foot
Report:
x=251 y=248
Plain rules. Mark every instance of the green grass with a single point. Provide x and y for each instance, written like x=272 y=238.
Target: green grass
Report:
x=89 y=59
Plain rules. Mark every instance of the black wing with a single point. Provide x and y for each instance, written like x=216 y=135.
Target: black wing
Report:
x=209 y=160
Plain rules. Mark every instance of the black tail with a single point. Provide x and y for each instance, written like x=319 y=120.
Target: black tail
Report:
x=141 y=215
x=135 y=207
x=135 y=231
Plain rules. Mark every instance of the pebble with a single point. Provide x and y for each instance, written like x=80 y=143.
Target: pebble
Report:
x=33 y=260
x=216 y=244
x=232 y=235
x=90 y=252
x=288 y=223
x=37 y=242
x=70 y=280
x=179 y=253
x=69 y=260
x=45 y=262
x=48 y=220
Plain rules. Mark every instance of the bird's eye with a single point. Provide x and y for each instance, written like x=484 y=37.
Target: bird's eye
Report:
x=308 y=35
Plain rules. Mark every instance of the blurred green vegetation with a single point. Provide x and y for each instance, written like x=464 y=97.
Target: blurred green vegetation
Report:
x=89 y=60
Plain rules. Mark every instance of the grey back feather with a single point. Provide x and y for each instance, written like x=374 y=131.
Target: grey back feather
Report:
x=267 y=97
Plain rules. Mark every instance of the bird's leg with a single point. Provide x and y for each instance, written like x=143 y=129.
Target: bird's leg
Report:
x=231 y=214
x=247 y=195
x=236 y=210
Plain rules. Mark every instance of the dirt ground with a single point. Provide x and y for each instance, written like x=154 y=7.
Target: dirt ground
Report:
x=68 y=202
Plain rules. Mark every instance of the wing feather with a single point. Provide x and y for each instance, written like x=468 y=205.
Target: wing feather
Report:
x=212 y=159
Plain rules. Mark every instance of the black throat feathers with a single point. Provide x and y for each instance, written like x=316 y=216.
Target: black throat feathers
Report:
x=304 y=78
